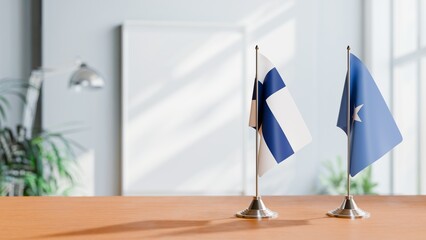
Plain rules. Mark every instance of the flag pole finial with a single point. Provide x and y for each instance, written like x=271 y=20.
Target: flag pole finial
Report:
x=348 y=48
x=257 y=47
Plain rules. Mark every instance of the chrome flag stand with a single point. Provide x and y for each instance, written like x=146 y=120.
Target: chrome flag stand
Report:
x=257 y=208
x=348 y=209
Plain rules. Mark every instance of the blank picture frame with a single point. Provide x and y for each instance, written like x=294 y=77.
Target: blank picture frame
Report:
x=183 y=102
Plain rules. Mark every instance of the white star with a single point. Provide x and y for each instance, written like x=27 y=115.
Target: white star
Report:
x=356 y=111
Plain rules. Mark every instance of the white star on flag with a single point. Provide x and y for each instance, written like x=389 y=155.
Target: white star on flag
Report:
x=356 y=111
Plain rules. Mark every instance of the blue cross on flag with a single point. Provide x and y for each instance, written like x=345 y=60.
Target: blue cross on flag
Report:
x=281 y=126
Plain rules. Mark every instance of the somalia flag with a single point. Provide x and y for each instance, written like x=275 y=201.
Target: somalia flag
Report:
x=373 y=129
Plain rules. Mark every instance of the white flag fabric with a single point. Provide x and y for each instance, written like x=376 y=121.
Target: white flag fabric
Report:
x=281 y=126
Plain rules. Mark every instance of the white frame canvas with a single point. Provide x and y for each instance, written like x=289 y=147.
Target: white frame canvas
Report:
x=131 y=29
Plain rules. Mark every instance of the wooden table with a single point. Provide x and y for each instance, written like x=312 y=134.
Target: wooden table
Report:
x=392 y=217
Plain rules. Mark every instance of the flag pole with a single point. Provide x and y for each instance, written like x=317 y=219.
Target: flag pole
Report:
x=257 y=124
x=348 y=208
x=348 y=122
x=257 y=208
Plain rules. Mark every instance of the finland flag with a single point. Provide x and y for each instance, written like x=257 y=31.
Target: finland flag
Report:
x=281 y=126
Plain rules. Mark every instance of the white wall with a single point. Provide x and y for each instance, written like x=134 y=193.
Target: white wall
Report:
x=15 y=47
x=305 y=39
x=394 y=43
x=378 y=55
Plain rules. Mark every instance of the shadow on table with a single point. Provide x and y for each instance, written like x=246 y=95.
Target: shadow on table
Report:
x=195 y=227
x=237 y=225
x=130 y=227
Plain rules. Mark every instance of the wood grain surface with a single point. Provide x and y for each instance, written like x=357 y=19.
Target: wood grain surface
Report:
x=300 y=217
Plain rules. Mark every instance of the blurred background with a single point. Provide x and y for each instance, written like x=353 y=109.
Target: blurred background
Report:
x=172 y=117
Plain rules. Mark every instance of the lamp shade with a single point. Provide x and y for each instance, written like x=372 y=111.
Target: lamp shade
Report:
x=86 y=77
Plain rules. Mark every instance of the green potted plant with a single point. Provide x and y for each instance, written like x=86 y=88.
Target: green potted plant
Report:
x=32 y=166
x=333 y=180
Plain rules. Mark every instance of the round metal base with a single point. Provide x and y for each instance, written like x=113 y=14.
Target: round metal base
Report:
x=348 y=209
x=257 y=209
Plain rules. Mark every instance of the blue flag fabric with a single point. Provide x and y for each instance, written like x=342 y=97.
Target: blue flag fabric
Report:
x=373 y=129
